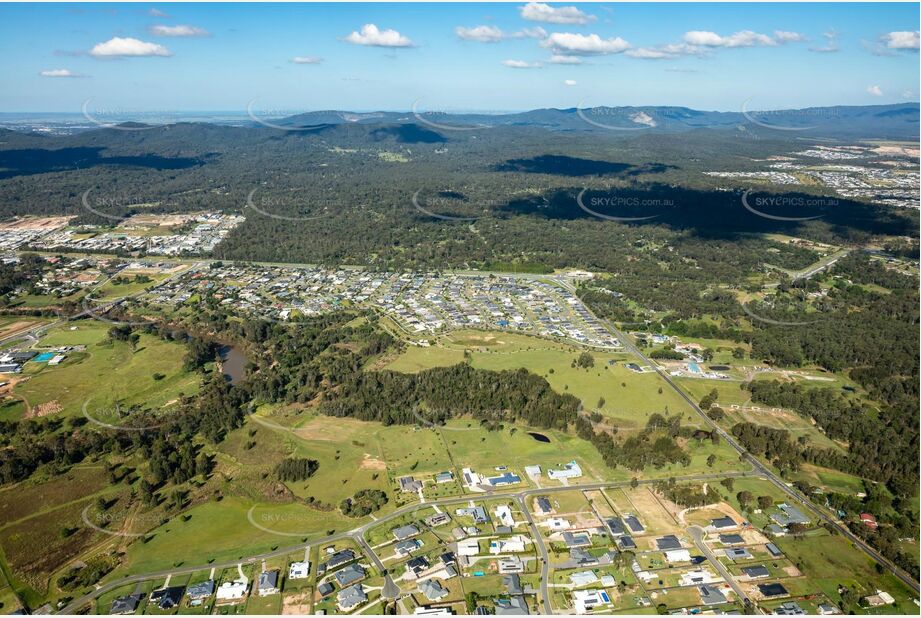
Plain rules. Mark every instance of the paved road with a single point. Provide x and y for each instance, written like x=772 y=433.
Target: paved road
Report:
x=544 y=556
x=697 y=535
x=765 y=472
x=362 y=530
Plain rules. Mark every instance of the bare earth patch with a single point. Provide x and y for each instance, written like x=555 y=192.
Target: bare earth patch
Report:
x=296 y=604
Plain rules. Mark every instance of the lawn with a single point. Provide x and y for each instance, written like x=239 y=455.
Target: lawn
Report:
x=107 y=372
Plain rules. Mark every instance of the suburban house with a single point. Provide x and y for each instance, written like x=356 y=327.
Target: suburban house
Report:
x=584 y=601
x=790 y=608
x=711 y=596
x=268 y=583
x=583 y=578
x=338 y=559
x=568 y=471
x=543 y=505
x=351 y=597
x=616 y=526
x=432 y=590
x=668 y=542
x=349 y=575
x=504 y=514
x=577 y=539
x=232 y=591
x=478 y=513
x=126 y=605
x=167 y=598
x=409 y=485
x=325 y=589
x=738 y=553
x=696 y=578
x=444 y=477
x=626 y=542
x=417 y=566
x=869 y=521
x=511 y=544
x=634 y=524
x=201 y=590
x=789 y=515
x=677 y=555
x=404 y=548
x=468 y=547
x=438 y=519
x=510 y=564
x=723 y=523
x=514 y=606
x=405 y=532
x=506 y=478
x=770 y=591
x=731 y=539
x=756 y=572
x=299 y=570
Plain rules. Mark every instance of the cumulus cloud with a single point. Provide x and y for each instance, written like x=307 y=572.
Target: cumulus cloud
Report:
x=306 y=60
x=571 y=44
x=60 y=73
x=118 y=47
x=903 y=40
x=155 y=12
x=876 y=91
x=373 y=36
x=492 y=34
x=570 y=82
x=558 y=59
x=178 y=31
x=483 y=34
x=538 y=11
x=831 y=43
x=743 y=38
x=521 y=64
x=662 y=52
x=785 y=36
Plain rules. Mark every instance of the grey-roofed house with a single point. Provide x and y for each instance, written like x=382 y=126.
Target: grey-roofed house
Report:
x=167 y=598
x=512 y=584
x=514 y=606
x=738 y=553
x=721 y=523
x=325 y=589
x=577 y=539
x=417 y=565
x=789 y=515
x=201 y=590
x=432 y=590
x=711 y=596
x=543 y=503
x=406 y=547
x=410 y=485
x=405 y=532
x=731 y=539
x=634 y=524
x=444 y=477
x=478 y=513
x=772 y=590
x=616 y=525
x=339 y=558
x=582 y=557
x=268 y=583
x=349 y=575
x=626 y=542
x=351 y=597
x=665 y=543
x=790 y=608
x=756 y=572
x=127 y=604
x=773 y=550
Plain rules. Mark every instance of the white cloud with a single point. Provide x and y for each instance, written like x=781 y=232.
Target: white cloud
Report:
x=492 y=34
x=570 y=82
x=306 y=60
x=875 y=91
x=60 y=73
x=483 y=34
x=664 y=51
x=155 y=12
x=785 y=36
x=831 y=43
x=558 y=59
x=538 y=11
x=907 y=94
x=743 y=38
x=372 y=36
x=118 y=47
x=571 y=44
x=521 y=64
x=177 y=31
x=903 y=40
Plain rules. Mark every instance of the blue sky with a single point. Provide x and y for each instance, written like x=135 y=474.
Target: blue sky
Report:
x=511 y=56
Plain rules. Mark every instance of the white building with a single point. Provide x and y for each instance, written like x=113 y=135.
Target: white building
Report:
x=232 y=591
x=584 y=601
x=558 y=523
x=677 y=555
x=568 y=471
x=510 y=545
x=583 y=578
x=468 y=547
x=299 y=570
x=532 y=470
x=504 y=515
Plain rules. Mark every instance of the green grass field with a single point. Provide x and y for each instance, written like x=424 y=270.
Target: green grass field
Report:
x=106 y=372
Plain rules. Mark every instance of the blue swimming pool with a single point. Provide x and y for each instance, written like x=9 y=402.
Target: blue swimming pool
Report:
x=44 y=357
x=694 y=367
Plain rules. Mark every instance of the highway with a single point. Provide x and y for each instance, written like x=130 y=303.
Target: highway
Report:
x=764 y=471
